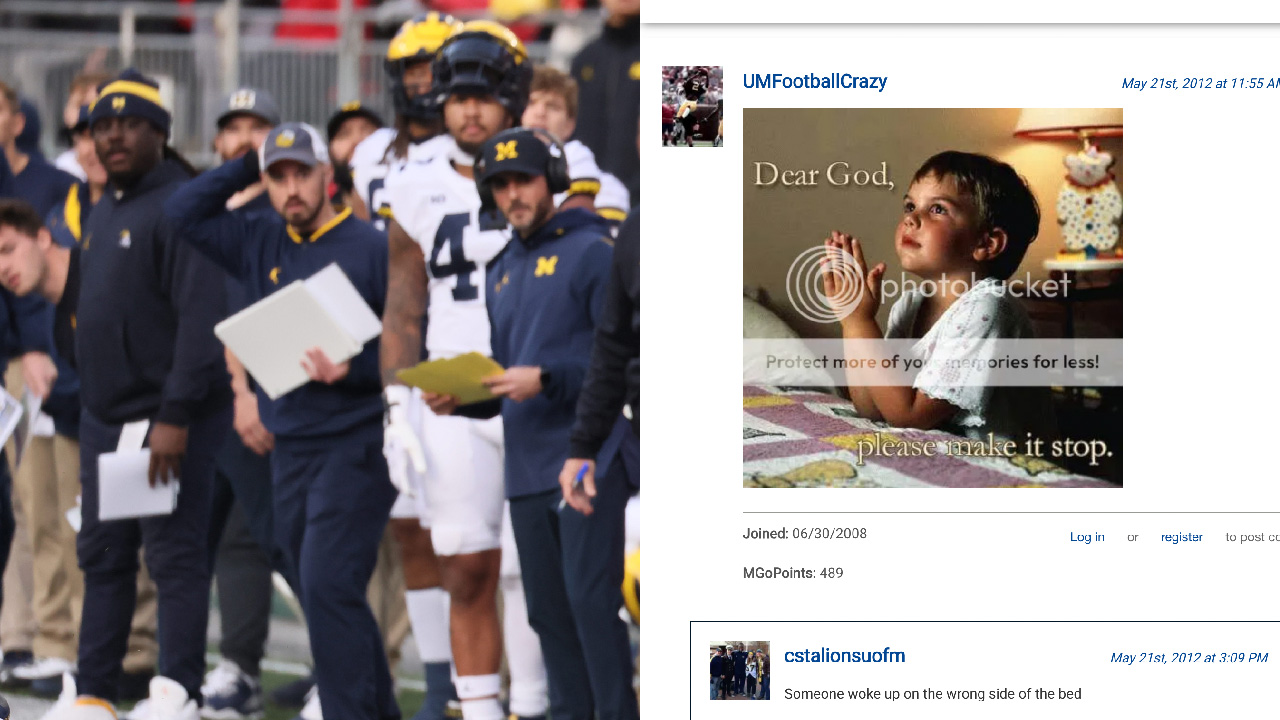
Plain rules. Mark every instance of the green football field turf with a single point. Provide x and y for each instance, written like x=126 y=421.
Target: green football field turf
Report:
x=410 y=700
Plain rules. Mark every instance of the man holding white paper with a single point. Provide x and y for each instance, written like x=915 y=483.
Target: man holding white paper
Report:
x=146 y=354
x=332 y=492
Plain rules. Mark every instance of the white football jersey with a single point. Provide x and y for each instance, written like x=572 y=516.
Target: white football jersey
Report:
x=586 y=177
x=371 y=166
x=440 y=209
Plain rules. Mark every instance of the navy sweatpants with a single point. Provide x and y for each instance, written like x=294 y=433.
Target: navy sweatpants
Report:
x=572 y=570
x=177 y=557
x=332 y=500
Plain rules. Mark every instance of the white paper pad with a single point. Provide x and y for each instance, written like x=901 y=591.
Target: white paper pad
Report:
x=272 y=336
x=40 y=422
x=10 y=415
x=123 y=489
x=342 y=301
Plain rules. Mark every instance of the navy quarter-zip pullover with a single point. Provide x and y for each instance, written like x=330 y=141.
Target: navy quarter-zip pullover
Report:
x=264 y=254
x=144 y=325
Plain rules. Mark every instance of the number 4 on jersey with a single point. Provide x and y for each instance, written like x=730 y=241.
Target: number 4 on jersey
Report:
x=450 y=231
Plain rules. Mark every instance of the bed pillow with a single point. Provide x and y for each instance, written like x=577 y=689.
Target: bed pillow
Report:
x=760 y=323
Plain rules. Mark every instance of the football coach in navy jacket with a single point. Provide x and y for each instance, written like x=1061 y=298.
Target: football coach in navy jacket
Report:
x=546 y=295
x=146 y=351
x=332 y=492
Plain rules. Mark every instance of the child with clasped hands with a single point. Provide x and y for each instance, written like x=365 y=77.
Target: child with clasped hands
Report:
x=966 y=223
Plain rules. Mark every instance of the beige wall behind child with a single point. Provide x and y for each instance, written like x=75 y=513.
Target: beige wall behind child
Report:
x=780 y=222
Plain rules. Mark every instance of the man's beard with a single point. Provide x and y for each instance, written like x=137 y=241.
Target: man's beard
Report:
x=541 y=213
x=129 y=177
x=139 y=166
x=238 y=152
x=306 y=222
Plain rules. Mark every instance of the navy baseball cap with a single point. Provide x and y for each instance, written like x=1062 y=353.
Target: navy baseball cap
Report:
x=293 y=141
x=82 y=121
x=250 y=101
x=349 y=110
x=517 y=150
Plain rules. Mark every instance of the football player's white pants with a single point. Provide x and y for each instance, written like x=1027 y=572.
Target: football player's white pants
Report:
x=528 y=695
x=462 y=498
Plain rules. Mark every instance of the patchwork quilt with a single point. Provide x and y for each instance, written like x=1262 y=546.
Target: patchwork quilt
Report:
x=795 y=437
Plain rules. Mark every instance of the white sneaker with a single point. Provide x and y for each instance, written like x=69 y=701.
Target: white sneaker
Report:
x=42 y=668
x=168 y=701
x=222 y=675
x=231 y=694
x=71 y=707
x=311 y=711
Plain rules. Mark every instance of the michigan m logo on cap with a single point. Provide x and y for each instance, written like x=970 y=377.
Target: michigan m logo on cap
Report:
x=243 y=100
x=506 y=151
x=117 y=103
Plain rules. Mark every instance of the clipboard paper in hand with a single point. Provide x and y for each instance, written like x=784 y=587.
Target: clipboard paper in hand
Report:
x=458 y=376
x=272 y=336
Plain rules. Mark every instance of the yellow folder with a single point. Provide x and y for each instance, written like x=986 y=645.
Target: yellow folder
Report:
x=459 y=376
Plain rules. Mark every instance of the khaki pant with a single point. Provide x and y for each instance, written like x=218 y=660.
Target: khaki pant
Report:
x=45 y=487
x=17 y=619
x=17 y=623
x=48 y=483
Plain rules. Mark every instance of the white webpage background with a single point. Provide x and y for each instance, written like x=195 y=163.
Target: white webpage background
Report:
x=1200 y=228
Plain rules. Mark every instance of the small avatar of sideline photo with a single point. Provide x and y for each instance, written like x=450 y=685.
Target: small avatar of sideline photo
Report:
x=740 y=670
x=692 y=106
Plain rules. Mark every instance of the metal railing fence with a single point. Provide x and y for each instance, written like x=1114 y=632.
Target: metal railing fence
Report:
x=228 y=46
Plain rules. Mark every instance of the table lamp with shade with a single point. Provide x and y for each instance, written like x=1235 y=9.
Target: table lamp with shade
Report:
x=1088 y=206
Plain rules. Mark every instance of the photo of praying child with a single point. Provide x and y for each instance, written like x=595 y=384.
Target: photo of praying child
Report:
x=969 y=218
x=932 y=298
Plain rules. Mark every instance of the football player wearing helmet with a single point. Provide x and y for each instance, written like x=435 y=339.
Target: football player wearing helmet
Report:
x=408 y=64
x=441 y=241
x=694 y=86
x=414 y=138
